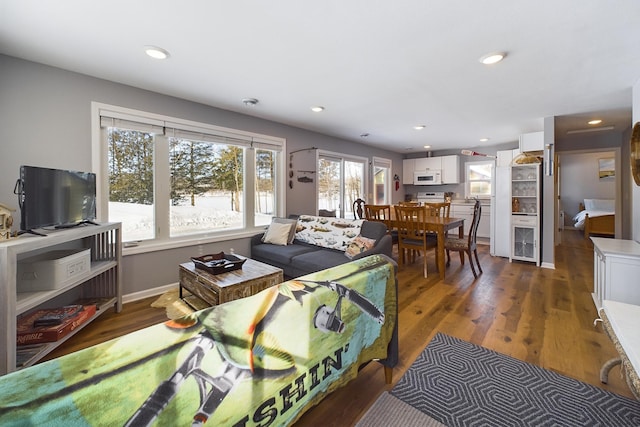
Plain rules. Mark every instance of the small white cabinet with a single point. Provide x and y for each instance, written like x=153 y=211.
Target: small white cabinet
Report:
x=100 y=286
x=424 y=163
x=616 y=267
x=408 y=166
x=451 y=169
x=533 y=141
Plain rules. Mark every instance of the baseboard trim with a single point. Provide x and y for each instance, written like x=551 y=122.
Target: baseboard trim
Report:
x=148 y=293
x=549 y=265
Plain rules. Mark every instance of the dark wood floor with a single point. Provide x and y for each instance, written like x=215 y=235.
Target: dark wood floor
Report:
x=541 y=316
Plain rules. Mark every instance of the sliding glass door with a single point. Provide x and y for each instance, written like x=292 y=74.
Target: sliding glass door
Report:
x=341 y=182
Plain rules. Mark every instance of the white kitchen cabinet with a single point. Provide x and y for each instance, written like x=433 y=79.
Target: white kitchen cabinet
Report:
x=424 y=163
x=533 y=141
x=100 y=286
x=451 y=169
x=525 y=213
x=408 y=166
x=465 y=210
x=616 y=267
x=505 y=157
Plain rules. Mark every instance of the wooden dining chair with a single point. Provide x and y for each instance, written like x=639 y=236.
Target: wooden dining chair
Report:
x=411 y=233
x=467 y=244
x=381 y=213
x=409 y=203
x=442 y=209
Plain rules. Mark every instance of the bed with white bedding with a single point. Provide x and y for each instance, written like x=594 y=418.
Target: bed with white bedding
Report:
x=596 y=216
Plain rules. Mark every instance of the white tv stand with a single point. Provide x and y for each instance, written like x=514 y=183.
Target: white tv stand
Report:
x=102 y=286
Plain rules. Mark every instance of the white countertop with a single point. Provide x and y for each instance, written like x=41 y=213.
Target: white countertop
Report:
x=624 y=319
x=470 y=202
x=617 y=246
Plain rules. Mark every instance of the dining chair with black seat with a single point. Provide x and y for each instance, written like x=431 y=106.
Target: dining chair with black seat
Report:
x=411 y=223
x=381 y=213
x=466 y=244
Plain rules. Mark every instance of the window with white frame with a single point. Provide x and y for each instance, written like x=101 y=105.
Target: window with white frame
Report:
x=479 y=176
x=168 y=179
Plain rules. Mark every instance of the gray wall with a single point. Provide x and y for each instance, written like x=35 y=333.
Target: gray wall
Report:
x=46 y=121
x=580 y=180
x=616 y=143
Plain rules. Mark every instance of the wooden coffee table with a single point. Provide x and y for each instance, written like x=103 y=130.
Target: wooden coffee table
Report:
x=214 y=289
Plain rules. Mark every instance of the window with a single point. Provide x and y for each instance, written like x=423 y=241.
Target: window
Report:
x=168 y=180
x=479 y=175
x=341 y=181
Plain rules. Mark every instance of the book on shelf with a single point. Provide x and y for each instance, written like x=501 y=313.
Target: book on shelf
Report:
x=67 y=318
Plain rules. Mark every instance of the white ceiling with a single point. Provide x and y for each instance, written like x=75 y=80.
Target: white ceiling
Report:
x=378 y=67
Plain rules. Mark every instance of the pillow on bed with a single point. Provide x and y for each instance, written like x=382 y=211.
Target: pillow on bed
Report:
x=599 y=205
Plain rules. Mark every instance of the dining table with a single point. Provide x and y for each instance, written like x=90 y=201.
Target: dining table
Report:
x=439 y=225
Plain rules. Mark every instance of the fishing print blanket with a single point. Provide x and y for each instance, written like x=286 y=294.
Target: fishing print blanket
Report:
x=261 y=360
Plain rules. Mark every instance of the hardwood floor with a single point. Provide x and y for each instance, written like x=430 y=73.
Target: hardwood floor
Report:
x=541 y=316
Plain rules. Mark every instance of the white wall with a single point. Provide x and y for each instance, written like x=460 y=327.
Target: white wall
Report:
x=579 y=180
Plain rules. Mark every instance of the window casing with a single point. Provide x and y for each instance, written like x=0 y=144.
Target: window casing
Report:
x=172 y=182
x=479 y=177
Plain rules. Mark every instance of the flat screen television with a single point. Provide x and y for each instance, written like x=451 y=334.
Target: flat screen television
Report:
x=55 y=198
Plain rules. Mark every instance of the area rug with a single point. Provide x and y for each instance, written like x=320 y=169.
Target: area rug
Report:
x=174 y=306
x=457 y=383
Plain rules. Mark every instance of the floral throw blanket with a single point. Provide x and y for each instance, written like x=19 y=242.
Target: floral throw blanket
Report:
x=261 y=360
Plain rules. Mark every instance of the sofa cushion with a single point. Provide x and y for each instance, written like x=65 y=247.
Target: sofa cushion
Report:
x=292 y=231
x=331 y=233
x=281 y=254
x=277 y=233
x=318 y=260
x=359 y=245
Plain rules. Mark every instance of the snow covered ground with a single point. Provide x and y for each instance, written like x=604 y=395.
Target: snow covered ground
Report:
x=211 y=213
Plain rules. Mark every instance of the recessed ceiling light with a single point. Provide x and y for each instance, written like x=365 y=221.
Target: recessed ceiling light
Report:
x=484 y=139
x=492 y=58
x=427 y=146
x=156 y=52
x=419 y=127
x=250 y=102
x=317 y=109
x=595 y=122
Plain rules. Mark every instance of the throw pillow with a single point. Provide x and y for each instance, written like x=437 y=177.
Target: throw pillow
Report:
x=277 y=234
x=358 y=245
x=292 y=232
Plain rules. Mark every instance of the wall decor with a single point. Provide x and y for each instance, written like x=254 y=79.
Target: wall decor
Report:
x=607 y=169
x=634 y=146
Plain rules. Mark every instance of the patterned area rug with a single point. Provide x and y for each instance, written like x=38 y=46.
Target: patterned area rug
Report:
x=461 y=384
x=174 y=306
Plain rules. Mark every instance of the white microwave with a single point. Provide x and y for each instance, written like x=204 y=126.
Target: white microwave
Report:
x=428 y=177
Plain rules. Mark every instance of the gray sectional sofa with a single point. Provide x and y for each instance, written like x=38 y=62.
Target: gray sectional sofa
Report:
x=302 y=257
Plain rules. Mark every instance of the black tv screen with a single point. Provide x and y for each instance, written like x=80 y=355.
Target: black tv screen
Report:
x=54 y=197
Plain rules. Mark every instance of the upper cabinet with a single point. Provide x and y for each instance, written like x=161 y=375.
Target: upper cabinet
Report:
x=532 y=142
x=449 y=165
x=408 y=166
x=424 y=163
x=451 y=169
